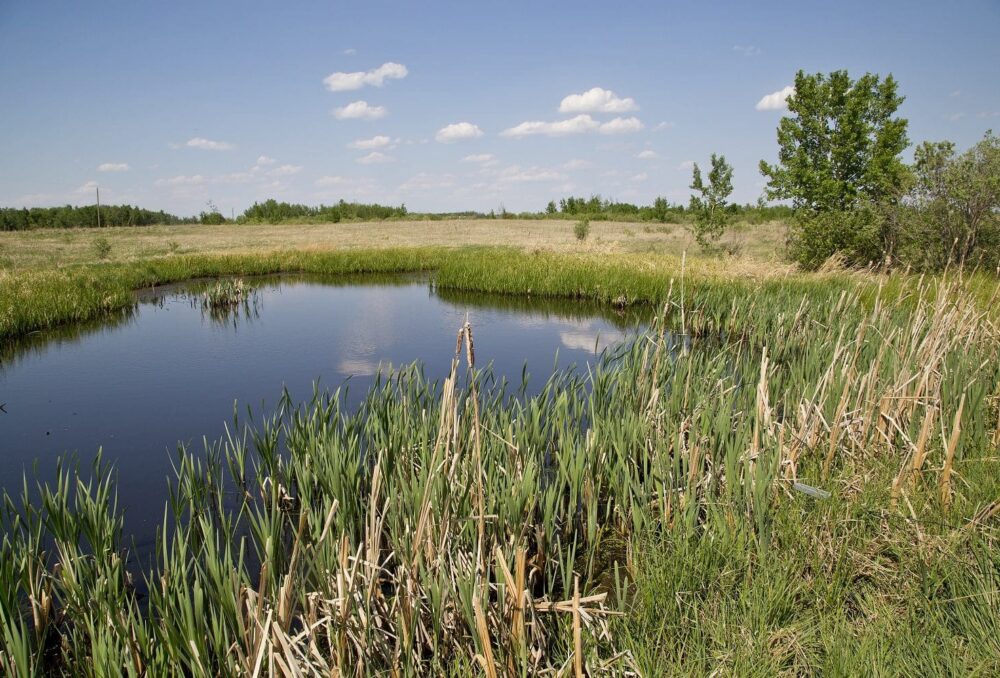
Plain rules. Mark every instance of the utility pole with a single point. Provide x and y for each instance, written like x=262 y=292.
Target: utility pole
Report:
x=98 y=188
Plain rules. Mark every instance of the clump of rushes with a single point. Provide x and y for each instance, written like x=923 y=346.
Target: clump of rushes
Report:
x=582 y=229
x=226 y=294
x=643 y=518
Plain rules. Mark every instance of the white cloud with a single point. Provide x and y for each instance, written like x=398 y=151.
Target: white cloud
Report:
x=378 y=141
x=597 y=100
x=621 y=126
x=332 y=181
x=686 y=165
x=517 y=174
x=181 y=180
x=647 y=155
x=264 y=160
x=340 y=81
x=747 y=50
x=359 y=110
x=208 y=144
x=427 y=182
x=237 y=178
x=113 y=167
x=666 y=124
x=458 y=131
x=484 y=159
x=956 y=93
x=955 y=117
x=577 y=164
x=350 y=51
x=641 y=176
x=375 y=158
x=775 y=101
x=988 y=114
x=88 y=187
x=578 y=125
x=285 y=171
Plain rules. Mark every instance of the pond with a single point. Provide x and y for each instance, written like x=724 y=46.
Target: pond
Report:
x=170 y=371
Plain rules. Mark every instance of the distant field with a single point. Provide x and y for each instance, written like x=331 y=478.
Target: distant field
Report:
x=56 y=247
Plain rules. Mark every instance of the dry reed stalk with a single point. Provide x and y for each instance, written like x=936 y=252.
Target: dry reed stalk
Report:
x=486 y=659
x=835 y=427
x=577 y=634
x=950 y=456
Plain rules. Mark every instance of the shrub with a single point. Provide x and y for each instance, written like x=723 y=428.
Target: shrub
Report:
x=102 y=248
x=582 y=229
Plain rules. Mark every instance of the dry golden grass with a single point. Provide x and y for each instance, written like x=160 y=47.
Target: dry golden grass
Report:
x=57 y=247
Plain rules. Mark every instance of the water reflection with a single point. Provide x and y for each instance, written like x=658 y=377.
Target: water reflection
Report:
x=165 y=372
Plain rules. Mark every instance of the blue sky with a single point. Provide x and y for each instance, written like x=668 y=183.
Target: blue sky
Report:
x=172 y=104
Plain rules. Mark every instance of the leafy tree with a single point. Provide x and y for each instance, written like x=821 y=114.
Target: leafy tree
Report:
x=954 y=206
x=841 y=144
x=551 y=207
x=710 y=207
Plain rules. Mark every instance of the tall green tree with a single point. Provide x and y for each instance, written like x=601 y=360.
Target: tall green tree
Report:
x=840 y=143
x=710 y=204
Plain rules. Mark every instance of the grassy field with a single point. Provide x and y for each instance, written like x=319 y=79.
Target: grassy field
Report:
x=46 y=248
x=791 y=474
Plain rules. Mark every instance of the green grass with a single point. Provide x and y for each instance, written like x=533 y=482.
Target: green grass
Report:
x=450 y=530
x=36 y=300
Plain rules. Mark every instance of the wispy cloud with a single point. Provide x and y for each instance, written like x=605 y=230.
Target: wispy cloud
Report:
x=484 y=159
x=597 y=100
x=341 y=81
x=775 y=101
x=375 y=158
x=208 y=145
x=580 y=124
x=747 y=50
x=285 y=171
x=459 y=131
x=113 y=167
x=359 y=110
x=517 y=174
x=182 y=180
x=666 y=124
x=378 y=141
x=647 y=155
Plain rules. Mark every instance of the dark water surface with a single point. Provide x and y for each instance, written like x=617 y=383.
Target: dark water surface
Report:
x=169 y=372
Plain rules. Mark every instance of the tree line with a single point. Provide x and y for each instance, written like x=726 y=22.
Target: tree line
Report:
x=85 y=216
x=274 y=212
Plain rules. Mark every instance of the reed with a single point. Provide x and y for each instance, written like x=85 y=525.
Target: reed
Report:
x=638 y=519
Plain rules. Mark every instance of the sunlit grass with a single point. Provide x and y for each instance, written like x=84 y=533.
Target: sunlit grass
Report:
x=640 y=518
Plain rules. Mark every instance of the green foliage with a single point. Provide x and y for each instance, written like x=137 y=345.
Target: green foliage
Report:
x=710 y=207
x=102 y=248
x=857 y=235
x=582 y=229
x=953 y=214
x=840 y=145
x=211 y=218
x=23 y=219
x=274 y=212
x=551 y=208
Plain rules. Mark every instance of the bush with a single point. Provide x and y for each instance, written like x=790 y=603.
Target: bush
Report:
x=102 y=248
x=856 y=235
x=582 y=229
